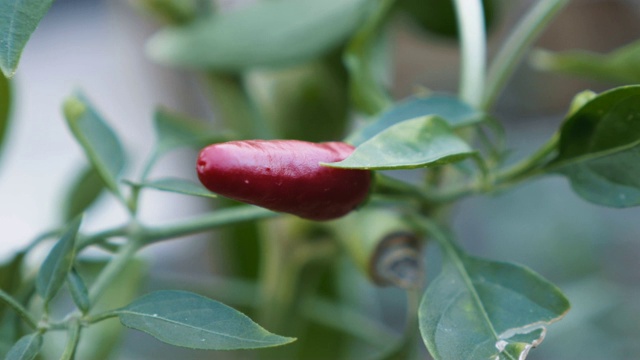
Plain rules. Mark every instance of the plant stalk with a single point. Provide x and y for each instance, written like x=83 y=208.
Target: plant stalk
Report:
x=473 y=50
x=514 y=48
x=19 y=309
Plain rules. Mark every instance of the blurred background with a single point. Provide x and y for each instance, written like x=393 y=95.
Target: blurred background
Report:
x=591 y=253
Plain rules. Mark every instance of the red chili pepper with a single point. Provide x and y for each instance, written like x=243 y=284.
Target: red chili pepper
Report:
x=285 y=175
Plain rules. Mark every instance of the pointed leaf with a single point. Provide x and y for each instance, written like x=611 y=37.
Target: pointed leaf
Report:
x=26 y=348
x=83 y=192
x=421 y=142
x=189 y=320
x=58 y=263
x=599 y=148
x=98 y=140
x=621 y=65
x=450 y=108
x=5 y=107
x=265 y=34
x=480 y=309
x=18 y=19
x=175 y=185
x=78 y=291
x=175 y=131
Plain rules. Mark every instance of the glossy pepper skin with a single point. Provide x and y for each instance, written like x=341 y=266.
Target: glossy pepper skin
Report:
x=285 y=176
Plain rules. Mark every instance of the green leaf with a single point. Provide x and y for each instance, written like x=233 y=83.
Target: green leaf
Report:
x=58 y=263
x=189 y=320
x=5 y=107
x=266 y=34
x=456 y=112
x=99 y=142
x=599 y=149
x=175 y=131
x=82 y=193
x=78 y=291
x=421 y=142
x=10 y=277
x=621 y=65
x=26 y=348
x=480 y=309
x=175 y=185
x=367 y=91
x=18 y=19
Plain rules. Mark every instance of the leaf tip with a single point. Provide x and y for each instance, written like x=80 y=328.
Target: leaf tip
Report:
x=73 y=108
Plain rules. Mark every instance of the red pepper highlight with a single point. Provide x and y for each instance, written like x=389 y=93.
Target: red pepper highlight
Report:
x=285 y=176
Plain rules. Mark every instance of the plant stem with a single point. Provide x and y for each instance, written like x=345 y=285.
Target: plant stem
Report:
x=19 y=309
x=100 y=236
x=100 y=317
x=513 y=49
x=74 y=338
x=113 y=269
x=473 y=50
x=524 y=168
x=207 y=222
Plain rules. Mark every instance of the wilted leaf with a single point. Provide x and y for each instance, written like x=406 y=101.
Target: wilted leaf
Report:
x=599 y=148
x=421 y=142
x=266 y=34
x=189 y=320
x=18 y=19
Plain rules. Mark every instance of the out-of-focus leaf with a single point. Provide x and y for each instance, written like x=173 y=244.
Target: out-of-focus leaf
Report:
x=57 y=265
x=266 y=34
x=421 y=142
x=367 y=91
x=18 y=19
x=306 y=102
x=189 y=320
x=439 y=16
x=83 y=192
x=78 y=291
x=174 y=12
x=619 y=66
x=450 y=108
x=26 y=348
x=175 y=131
x=99 y=142
x=5 y=108
x=599 y=149
x=175 y=185
x=10 y=277
x=480 y=309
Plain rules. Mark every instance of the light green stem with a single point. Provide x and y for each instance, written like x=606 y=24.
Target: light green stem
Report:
x=113 y=269
x=72 y=343
x=207 y=222
x=512 y=51
x=19 y=309
x=473 y=50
